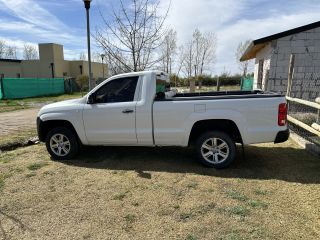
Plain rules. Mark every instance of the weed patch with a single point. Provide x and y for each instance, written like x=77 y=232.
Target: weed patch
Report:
x=258 y=204
x=234 y=194
x=260 y=192
x=191 y=237
x=239 y=210
x=130 y=218
x=36 y=166
x=120 y=196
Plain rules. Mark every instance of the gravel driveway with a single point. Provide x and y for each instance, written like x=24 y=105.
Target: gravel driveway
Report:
x=17 y=120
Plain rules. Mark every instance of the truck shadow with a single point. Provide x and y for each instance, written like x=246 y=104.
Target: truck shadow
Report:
x=280 y=163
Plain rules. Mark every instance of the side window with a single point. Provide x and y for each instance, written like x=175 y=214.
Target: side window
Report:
x=117 y=90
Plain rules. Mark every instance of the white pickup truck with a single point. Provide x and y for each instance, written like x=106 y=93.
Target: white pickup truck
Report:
x=139 y=109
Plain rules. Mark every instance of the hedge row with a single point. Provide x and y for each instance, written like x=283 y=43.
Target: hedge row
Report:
x=224 y=80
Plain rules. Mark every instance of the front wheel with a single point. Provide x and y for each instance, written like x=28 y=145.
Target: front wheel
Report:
x=215 y=149
x=62 y=143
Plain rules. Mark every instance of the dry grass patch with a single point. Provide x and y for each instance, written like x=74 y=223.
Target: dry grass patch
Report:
x=17 y=138
x=131 y=193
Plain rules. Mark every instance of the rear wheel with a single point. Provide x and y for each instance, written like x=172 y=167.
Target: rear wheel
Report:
x=215 y=149
x=62 y=143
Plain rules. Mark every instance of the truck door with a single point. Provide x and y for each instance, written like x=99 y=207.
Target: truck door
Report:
x=111 y=117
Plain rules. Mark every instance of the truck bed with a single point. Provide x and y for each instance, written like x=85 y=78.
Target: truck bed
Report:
x=221 y=95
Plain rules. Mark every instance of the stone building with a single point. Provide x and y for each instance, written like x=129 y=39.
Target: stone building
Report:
x=50 y=64
x=272 y=57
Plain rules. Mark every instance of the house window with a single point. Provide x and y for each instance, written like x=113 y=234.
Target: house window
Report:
x=260 y=73
x=18 y=75
x=80 y=66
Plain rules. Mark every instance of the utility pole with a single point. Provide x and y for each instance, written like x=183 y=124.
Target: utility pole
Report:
x=102 y=57
x=87 y=7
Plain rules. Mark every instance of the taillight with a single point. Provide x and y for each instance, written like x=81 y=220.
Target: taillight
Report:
x=282 y=114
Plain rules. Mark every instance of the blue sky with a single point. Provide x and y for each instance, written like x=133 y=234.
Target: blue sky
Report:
x=63 y=22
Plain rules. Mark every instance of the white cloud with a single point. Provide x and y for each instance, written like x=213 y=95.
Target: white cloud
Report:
x=31 y=12
x=186 y=15
x=235 y=21
x=230 y=36
x=35 y=24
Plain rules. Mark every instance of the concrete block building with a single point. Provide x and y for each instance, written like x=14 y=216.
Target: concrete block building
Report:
x=50 y=64
x=272 y=57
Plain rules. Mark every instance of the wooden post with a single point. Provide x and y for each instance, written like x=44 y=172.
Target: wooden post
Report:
x=290 y=74
x=318 y=117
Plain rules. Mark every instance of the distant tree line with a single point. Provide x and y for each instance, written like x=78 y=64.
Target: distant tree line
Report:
x=29 y=52
x=224 y=79
x=134 y=37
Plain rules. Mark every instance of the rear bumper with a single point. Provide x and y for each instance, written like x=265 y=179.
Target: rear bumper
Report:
x=282 y=136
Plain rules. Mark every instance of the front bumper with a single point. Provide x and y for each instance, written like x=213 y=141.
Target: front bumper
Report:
x=40 y=135
x=282 y=136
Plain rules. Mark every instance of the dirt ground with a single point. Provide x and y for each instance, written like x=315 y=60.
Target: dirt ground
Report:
x=17 y=120
x=159 y=193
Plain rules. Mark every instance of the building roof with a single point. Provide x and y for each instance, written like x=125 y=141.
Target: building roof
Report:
x=9 y=60
x=258 y=44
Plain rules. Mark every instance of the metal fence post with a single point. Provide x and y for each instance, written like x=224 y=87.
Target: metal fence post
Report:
x=2 y=88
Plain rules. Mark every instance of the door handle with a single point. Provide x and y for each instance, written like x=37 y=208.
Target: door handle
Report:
x=127 y=111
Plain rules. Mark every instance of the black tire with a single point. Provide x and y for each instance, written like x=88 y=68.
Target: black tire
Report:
x=70 y=136
x=228 y=154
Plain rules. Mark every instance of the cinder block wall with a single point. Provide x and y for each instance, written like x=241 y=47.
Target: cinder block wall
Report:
x=306 y=48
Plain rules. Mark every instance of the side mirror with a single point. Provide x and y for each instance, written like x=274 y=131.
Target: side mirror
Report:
x=91 y=99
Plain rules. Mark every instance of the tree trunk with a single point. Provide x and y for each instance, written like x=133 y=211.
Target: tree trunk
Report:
x=192 y=85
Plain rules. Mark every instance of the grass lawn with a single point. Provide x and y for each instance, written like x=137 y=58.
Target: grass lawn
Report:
x=18 y=104
x=159 y=193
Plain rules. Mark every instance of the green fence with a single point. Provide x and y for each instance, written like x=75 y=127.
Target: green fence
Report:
x=246 y=83
x=14 y=88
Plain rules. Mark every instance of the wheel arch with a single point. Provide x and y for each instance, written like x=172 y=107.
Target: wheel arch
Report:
x=224 y=125
x=44 y=127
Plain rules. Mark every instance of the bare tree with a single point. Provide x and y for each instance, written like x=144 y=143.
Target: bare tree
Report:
x=205 y=52
x=115 y=65
x=188 y=63
x=199 y=56
x=30 y=52
x=2 y=48
x=11 y=52
x=82 y=56
x=168 y=50
x=244 y=66
x=96 y=57
x=131 y=39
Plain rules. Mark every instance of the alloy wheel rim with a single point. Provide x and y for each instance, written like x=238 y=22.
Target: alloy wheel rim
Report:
x=60 y=144
x=215 y=150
